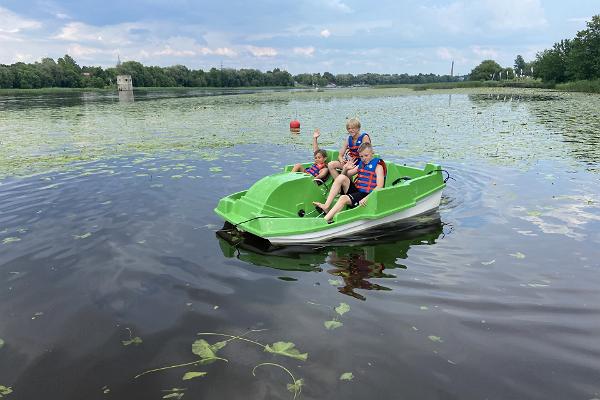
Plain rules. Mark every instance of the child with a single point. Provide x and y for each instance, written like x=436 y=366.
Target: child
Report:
x=319 y=168
x=370 y=177
x=349 y=150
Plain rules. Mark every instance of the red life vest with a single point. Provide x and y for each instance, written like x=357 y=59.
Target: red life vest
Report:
x=366 y=179
x=353 y=147
x=314 y=169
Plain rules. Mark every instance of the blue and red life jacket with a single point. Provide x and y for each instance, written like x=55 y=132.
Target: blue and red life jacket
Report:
x=353 y=147
x=366 y=179
x=315 y=169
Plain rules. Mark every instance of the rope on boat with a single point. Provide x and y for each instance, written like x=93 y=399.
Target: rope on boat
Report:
x=442 y=170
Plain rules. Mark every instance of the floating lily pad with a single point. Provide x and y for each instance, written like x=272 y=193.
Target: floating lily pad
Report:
x=135 y=341
x=436 y=339
x=333 y=324
x=346 y=376
x=287 y=349
x=5 y=391
x=192 y=375
x=342 y=309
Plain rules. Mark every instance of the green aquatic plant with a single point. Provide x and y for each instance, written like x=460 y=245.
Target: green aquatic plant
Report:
x=192 y=374
x=132 y=340
x=295 y=387
x=174 y=393
x=5 y=391
x=207 y=354
x=346 y=376
x=335 y=323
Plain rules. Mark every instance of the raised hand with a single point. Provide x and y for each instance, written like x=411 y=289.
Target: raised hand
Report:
x=316 y=133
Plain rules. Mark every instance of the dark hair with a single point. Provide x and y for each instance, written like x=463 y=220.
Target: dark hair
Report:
x=321 y=152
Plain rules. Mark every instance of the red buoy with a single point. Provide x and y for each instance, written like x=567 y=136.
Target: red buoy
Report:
x=295 y=126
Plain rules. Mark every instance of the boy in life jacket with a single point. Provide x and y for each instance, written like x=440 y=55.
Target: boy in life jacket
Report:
x=370 y=176
x=349 y=150
x=319 y=169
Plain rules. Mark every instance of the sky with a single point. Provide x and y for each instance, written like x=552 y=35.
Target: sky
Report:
x=337 y=36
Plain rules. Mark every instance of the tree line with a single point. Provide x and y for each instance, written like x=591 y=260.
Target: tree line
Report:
x=66 y=73
x=568 y=60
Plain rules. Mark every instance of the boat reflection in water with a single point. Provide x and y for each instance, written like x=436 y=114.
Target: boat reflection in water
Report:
x=356 y=261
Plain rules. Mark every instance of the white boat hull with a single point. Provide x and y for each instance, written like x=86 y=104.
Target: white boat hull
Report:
x=424 y=206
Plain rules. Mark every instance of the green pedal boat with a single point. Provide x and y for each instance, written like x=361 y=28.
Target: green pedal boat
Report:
x=279 y=207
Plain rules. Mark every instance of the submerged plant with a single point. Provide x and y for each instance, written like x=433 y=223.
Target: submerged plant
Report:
x=208 y=354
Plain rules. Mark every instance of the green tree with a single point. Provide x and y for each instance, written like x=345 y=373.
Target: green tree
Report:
x=487 y=70
x=520 y=65
x=583 y=60
x=551 y=65
x=70 y=72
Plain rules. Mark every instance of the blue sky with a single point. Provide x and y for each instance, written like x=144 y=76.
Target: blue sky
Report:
x=339 y=36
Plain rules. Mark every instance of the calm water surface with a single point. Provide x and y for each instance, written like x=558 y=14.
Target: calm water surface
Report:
x=110 y=265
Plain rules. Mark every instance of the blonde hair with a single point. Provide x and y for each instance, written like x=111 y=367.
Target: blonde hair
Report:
x=365 y=146
x=353 y=123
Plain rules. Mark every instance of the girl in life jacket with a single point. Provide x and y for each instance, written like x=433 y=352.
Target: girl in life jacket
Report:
x=349 y=150
x=370 y=176
x=319 y=169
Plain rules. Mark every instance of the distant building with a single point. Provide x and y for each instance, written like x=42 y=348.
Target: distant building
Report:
x=124 y=83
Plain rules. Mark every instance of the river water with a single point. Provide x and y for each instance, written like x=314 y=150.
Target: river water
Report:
x=111 y=268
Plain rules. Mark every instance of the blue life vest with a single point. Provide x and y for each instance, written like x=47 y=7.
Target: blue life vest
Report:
x=314 y=169
x=353 y=147
x=366 y=179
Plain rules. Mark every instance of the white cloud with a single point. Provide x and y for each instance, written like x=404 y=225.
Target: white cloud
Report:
x=168 y=51
x=13 y=23
x=111 y=34
x=262 y=51
x=487 y=16
x=325 y=33
x=225 y=51
x=487 y=53
x=304 y=51
x=338 y=6
x=444 y=53
x=79 y=51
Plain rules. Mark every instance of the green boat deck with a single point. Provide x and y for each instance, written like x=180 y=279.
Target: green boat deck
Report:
x=281 y=204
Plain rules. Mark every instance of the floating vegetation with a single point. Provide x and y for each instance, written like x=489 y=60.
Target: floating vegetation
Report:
x=436 y=339
x=175 y=393
x=84 y=236
x=10 y=240
x=132 y=340
x=335 y=323
x=5 y=391
x=518 y=255
x=207 y=354
x=192 y=374
x=37 y=314
x=346 y=376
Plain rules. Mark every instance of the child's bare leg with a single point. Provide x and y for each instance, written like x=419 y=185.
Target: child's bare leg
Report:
x=341 y=182
x=297 y=168
x=343 y=201
x=332 y=167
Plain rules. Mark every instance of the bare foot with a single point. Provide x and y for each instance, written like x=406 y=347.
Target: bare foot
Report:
x=321 y=207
